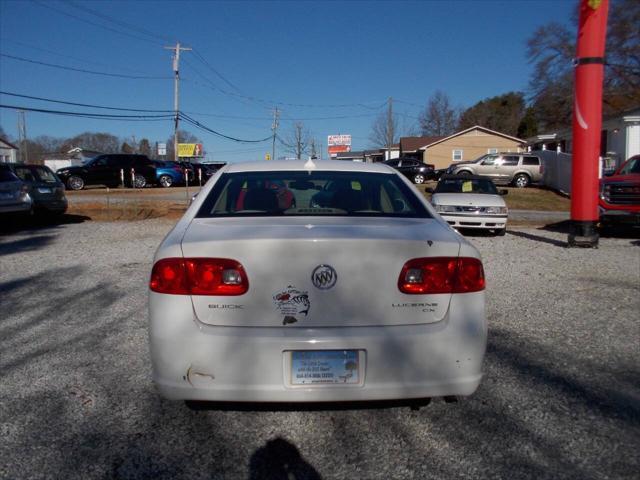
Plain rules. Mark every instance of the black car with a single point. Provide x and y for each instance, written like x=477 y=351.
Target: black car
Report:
x=108 y=170
x=45 y=189
x=413 y=169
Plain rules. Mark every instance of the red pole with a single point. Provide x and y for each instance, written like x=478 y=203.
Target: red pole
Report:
x=587 y=121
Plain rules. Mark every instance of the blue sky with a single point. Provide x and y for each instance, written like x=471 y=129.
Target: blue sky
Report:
x=330 y=65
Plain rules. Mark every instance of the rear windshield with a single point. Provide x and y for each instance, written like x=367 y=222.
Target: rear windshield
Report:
x=312 y=194
x=463 y=185
x=35 y=174
x=7 y=176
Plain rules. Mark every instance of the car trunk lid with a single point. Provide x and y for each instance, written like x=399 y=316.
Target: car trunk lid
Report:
x=320 y=272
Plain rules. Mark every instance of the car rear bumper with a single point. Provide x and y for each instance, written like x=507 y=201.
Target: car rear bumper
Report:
x=18 y=207
x=497 y=222
x=194 y=361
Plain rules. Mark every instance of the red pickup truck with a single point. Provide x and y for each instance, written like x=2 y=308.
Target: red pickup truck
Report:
x=620 y=195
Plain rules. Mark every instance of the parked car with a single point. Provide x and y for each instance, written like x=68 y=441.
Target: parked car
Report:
x=518 y=169
x=106 y=170
x=45 y=189
x=471 y=202
x=204 y=171
x=413 y=169
x=14 y=193
x=374 y=297
x=168 y=173
x=619 y=201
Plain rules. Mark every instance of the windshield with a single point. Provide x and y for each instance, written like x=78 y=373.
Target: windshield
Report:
x=311 y=194
x=465 y=185
x=632 y=166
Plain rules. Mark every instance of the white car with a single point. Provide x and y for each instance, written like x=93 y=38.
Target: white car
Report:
x=304 y=282
x=471 y=202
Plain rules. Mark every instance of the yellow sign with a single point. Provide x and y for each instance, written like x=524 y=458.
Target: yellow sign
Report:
x=189 y=149
x=267 y=156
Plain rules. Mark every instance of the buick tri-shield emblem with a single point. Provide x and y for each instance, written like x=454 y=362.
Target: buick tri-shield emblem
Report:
x=324 y=277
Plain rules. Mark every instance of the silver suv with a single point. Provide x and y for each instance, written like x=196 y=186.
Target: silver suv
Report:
x=519 y=169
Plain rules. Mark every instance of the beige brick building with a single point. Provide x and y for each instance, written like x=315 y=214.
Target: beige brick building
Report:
x=468 y=144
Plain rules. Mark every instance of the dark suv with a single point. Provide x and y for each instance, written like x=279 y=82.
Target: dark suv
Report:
x=413 y=169
x=138 y=171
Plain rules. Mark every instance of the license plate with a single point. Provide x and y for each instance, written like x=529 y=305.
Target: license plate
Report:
x=44 y=190
x=315 y=367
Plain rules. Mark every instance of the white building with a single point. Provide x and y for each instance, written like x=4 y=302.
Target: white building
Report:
x=8 y=152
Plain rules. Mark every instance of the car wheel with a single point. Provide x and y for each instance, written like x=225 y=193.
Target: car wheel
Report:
x=165 y=180
x=501 y=232
x=464 y=173
x=418 y=178
x=521 y=180
x=75 y=183
x=139 y=181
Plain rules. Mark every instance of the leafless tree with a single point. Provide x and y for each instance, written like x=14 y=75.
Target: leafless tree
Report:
x=439 y=116
x=384 y=131
x=298 y=140
x=551 y=49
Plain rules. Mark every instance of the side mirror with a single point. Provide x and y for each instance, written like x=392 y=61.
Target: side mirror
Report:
x=503 y=192
x=428 y=190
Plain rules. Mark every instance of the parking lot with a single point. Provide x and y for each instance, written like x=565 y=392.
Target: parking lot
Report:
x=560 y=399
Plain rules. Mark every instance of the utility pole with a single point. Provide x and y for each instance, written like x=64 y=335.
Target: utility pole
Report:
x=390 y=129
x=274 y=127
x=22 y=137
x=176 y=64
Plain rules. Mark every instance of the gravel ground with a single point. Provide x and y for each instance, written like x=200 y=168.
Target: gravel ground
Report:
x=561 y=396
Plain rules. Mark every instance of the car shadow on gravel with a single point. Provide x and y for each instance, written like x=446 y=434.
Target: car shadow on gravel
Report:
x=13 y=224
x=618 y=231
x=537 y=238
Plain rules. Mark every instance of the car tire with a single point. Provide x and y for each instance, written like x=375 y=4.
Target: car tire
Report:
x=139 y=181
x=75 y=183
x=165 y=181
x=501 y=232
x=521 y=180
x=418 y=178
x=464 y=173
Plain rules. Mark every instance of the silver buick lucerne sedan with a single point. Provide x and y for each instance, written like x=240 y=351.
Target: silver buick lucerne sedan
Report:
x=310 y=282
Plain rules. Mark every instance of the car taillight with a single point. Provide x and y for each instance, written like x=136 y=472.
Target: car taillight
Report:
x=541 y=168
x=421 y=276
x=199 y=276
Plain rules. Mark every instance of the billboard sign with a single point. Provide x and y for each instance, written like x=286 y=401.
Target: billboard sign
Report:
x=338 y=140
x=190 y=150
x=338 y=143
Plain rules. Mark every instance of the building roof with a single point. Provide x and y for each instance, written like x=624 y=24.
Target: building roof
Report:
x=475 y=127
x=412 y=144
x=10 y=145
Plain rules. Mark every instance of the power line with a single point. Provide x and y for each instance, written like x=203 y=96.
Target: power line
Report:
x=222 y=77
x=78 y=59
x=82 y=70
x=84 y=20
x=197 y=124
x=83 y=104
x=103 y=16
x=105 y=116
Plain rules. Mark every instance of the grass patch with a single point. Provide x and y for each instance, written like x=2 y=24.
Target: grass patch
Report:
x=124 y=211
x=531 y=198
